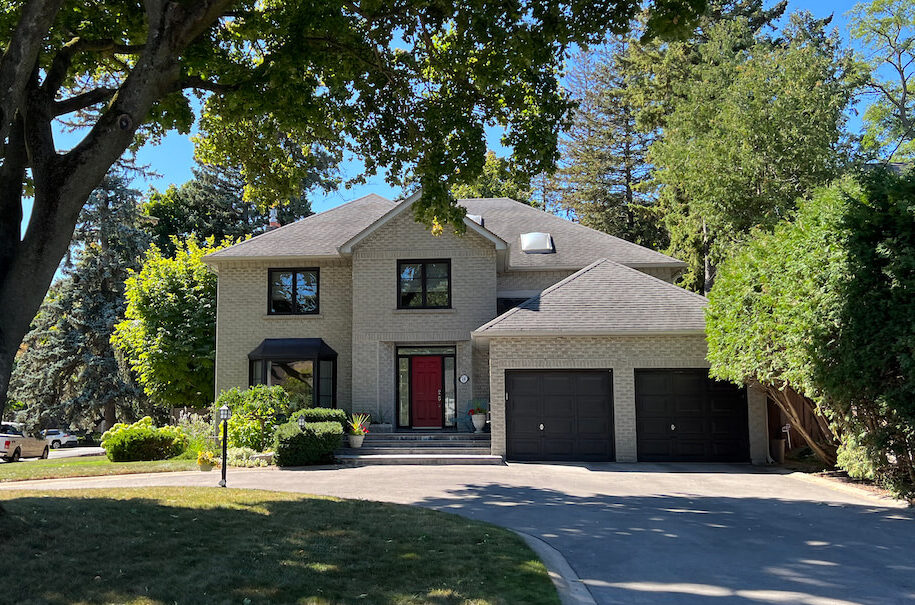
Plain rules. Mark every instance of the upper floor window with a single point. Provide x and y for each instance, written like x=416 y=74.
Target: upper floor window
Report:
x=423 y=284
x=293 y=292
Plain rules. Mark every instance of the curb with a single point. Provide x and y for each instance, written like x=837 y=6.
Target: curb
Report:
x=887 y=501
x=569 y=586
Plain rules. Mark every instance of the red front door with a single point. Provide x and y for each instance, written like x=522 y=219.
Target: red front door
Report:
x=426 y=391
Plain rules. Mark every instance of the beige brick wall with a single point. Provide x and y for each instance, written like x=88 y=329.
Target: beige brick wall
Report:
x=621 y=354
x=530 y=280
x=379 y=327
x=242 y=319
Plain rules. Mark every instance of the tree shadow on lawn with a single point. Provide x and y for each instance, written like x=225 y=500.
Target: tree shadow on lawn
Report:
x=700 y=550
x=206 y=545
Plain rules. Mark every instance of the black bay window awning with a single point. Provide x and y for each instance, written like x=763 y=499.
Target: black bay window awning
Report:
x=292 y=349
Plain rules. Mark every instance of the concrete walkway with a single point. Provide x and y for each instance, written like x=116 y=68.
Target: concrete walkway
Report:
x=646 y=533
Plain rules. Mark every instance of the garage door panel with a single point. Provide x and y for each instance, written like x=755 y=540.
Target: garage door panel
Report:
x=557 y=385
x=575 y=408
x=558 y=447
x=689 y=426
x=656 y=405
x=655 y=450
x=709 y=417
x=559 y=428
x=555 y=405
x=525 y=384
x=688 y=404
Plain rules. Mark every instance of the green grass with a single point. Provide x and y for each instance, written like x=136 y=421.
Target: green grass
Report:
x=212 y=545
x=86 y=466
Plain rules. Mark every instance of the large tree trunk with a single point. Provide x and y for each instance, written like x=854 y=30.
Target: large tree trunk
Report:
x=793 y=404
x=63 y=182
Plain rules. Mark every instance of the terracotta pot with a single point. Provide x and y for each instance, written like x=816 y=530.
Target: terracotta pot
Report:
x=479 y=421
x=355 y=440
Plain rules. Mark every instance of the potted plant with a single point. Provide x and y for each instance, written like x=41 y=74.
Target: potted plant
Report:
x=478 y=417
x=206 y=461
x=357 y=429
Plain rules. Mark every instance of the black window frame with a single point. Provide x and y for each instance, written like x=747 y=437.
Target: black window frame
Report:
x=423 y=262
x=294 y=270
x=255 y=378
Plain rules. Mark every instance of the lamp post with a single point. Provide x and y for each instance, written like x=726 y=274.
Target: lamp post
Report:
x=224 y=414
x=302 y=422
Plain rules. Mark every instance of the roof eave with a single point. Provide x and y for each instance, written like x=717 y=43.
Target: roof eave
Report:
x=485 y=334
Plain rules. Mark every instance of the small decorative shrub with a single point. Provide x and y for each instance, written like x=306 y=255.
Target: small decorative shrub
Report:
x=323 y=415
x=256 y=412
x=143 y=441
x=243 y=456
x=293 y=446
x=200 y=432
x=207 y=458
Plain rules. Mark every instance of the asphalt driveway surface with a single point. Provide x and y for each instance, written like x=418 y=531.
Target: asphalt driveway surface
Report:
x=647 y=533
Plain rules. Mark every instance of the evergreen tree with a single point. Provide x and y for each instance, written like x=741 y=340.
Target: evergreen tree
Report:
x=604 y=168
x=213 y=204
x=758 y=124
x=67 y=372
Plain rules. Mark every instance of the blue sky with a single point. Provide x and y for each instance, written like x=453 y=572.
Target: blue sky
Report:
x=174 y=157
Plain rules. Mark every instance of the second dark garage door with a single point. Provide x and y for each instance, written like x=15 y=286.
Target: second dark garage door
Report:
x=559 y=415
x=684 y=416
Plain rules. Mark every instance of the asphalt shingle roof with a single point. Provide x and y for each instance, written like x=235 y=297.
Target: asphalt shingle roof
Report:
x=576 y=246
x=315 y=235
x=604 y=298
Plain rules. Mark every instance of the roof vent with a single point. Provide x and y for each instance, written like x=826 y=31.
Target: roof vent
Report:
x=477 y=218
x=537 y=243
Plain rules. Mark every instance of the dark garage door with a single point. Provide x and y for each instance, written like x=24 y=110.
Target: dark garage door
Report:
x=574 y=409
x=683 y=415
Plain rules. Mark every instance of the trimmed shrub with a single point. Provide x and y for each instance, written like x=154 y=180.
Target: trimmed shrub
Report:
x=315 y=445
x=322 y=415
x=143 y=441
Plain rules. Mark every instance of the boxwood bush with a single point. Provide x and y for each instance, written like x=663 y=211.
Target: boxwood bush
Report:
x=322 y=415
x=315 y=444
x=143 y=441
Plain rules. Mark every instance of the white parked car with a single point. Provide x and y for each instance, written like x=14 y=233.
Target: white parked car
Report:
x=59 y=438
x=15 y=444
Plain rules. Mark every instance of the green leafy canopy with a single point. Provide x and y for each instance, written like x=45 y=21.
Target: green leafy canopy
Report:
x=169 y=331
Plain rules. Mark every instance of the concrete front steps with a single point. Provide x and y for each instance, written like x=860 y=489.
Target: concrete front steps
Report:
x=420 y=448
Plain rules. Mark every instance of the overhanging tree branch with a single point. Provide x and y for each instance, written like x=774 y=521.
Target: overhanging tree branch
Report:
x=83 y=100
x=20 y=58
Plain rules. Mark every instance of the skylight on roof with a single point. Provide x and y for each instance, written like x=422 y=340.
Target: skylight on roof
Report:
x=537 y=243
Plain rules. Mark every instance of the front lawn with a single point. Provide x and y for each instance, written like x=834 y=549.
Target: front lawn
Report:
x=211 y=545
x=86 y=466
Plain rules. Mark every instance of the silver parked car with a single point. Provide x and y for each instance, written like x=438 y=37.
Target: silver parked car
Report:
x=16 y=444
x=57 y=438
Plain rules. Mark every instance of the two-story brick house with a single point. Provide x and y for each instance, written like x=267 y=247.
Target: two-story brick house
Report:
x=578 y=340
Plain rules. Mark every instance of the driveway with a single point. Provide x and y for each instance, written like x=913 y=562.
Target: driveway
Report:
x=647 y=533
